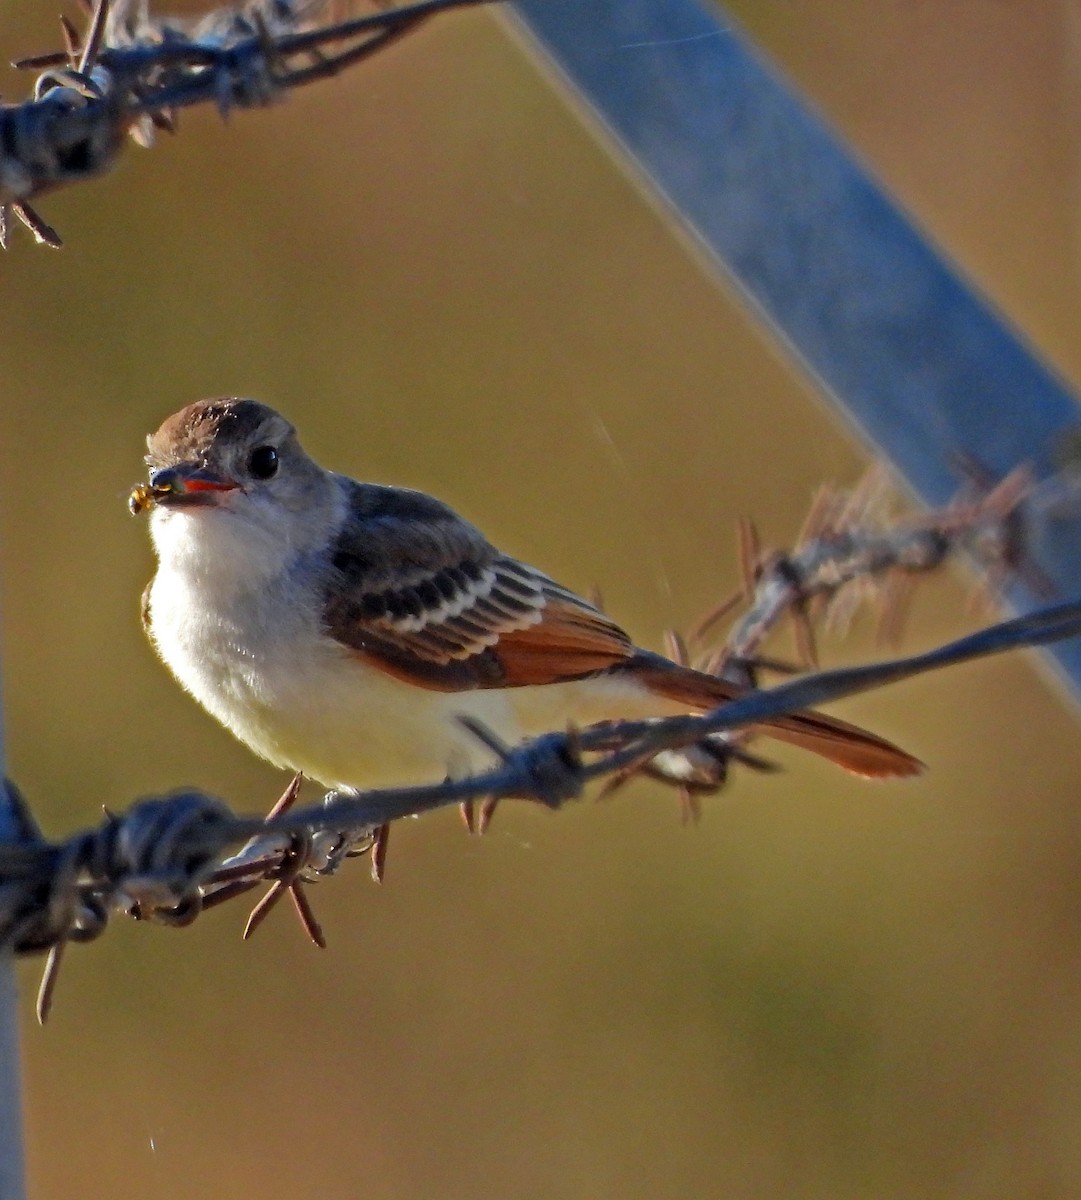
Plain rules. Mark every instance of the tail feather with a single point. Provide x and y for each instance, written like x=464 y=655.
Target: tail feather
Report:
x=849 y=746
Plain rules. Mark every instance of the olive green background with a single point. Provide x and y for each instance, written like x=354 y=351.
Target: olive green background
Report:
x=828 y=989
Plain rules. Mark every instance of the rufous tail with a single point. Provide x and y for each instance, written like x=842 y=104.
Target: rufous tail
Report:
x=848 y=746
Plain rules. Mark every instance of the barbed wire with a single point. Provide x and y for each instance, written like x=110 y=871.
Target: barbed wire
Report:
x=851 y=552
x=169 y=858
x=131 y=74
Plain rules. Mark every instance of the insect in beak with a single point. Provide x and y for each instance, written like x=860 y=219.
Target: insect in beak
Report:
x=173 y=485
x=144 y=496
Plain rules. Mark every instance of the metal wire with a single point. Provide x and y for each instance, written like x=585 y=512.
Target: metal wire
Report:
x=168 y=858
x=134 y=71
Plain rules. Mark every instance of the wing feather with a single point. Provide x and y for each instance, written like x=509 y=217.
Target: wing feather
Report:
x=419 y=591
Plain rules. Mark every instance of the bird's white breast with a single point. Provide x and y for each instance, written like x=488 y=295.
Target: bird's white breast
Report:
x=240 y=626
x=249 y=645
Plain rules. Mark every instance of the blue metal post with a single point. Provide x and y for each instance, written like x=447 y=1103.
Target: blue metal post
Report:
x=885 y=324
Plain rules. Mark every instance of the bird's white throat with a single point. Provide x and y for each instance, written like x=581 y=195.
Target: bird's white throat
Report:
x=219 y=547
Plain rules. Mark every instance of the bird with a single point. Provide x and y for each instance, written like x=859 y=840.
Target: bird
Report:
x=343 y=629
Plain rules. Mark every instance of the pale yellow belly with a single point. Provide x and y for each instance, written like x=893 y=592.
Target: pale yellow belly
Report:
x=361 y=728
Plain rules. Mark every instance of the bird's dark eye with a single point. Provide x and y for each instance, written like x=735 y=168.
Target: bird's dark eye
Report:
x=263 y=462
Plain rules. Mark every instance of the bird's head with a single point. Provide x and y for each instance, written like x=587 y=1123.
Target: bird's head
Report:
x=234 y=468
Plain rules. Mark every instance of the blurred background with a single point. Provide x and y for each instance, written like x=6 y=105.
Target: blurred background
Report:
x=826 y=989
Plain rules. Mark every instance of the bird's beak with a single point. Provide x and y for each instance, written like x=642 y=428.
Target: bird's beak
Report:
x=181 y=487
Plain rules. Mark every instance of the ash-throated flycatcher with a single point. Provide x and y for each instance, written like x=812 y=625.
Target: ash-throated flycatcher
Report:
x=340 y=628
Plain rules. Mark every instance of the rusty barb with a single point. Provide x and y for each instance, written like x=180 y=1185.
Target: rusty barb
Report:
x=170 y=858
x=130 y=74
x=852 y=552
x=167 y=860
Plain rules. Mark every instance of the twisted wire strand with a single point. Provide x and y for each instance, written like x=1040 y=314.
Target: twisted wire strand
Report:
x=135 y=71
x=848 y=553
x=168 y=857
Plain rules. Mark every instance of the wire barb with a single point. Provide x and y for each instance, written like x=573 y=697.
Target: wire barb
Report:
x=849 y=551
x=131 y=73
x=168 y=859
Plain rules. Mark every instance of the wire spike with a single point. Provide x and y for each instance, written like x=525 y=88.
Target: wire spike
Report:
x=307 y=916
x=690 y=806
x=483 y=734
x=89 y=55
x=380 y=840
x=263 y=908
x=41 y=230
x=49 y=977
x=819 y=519
x=676 y=648
x=806 y=649
x=72 y=41
x=486 y=813
x=288 y=798
x=750 y=555
x=706 y=625
x=38 y=62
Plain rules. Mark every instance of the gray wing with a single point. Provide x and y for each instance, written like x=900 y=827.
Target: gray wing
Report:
x=423 y=594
